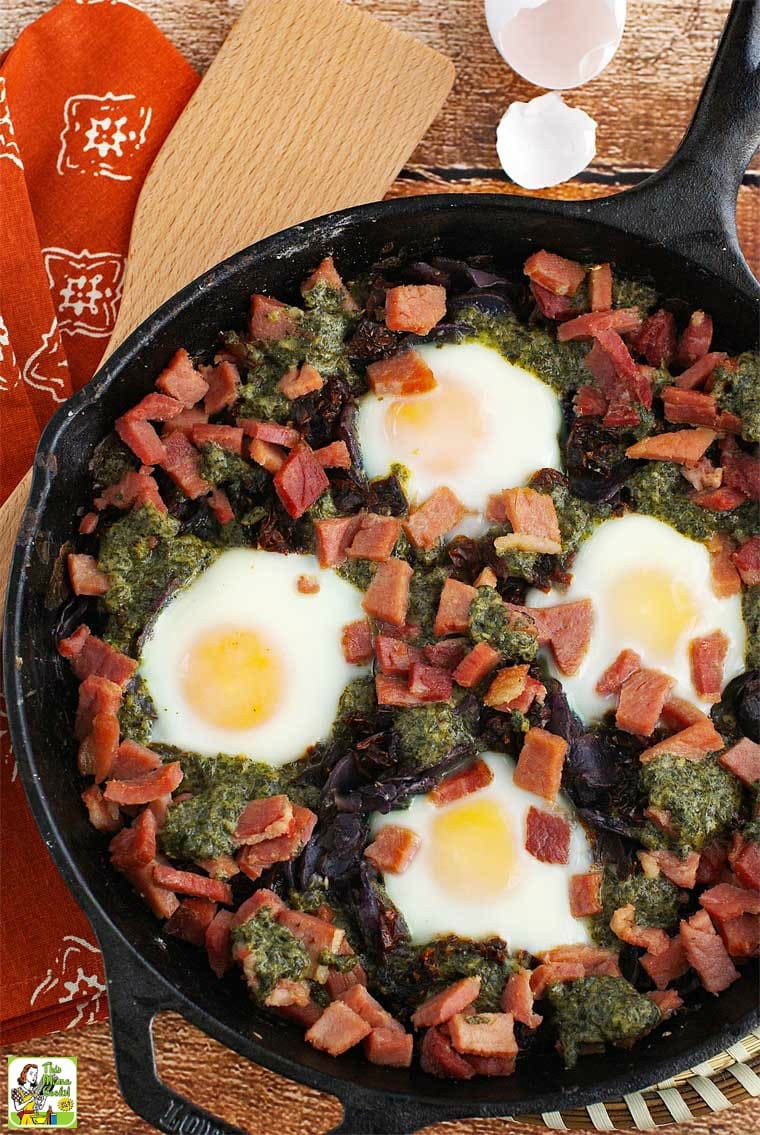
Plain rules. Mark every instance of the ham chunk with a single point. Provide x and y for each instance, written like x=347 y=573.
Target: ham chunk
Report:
x=181 y=461
x=375 y=538
x=327 y=274
x=689 y=407
x=443 y=1006
x=356 y=642
x=461 y=783
x=533 y=691
x=623 y=924
x=134 y=489
x=668 y=965
x=155 y=408
x=553 y=307
x=391 y=690
x=695 y=339
x=724 y=576
x=270 y=319
x=621 y=320
x=414 y=307
x=517 y=999
x=298 y=381
x=394 y=656
x=547 y=836
x=483 y=1034
x=685 y=447
x=145 y=788
x=600 y=287
x=589 y=402
x=642 y=697
x=227 y=437
x=300 y=482
x=191 y=920
x=741 y=471
x=429 y=683
x=263 y=899
x=389 y=1047
x=271 y=432
x=393 y=849
x=387 y=596
x=333 y=538
x=104 y=814
x=741 y=936
x=334 y=456
x=89 y=654
x=707 y=954
x=597 y=961
x=438 y=515
x=403 y=373
x=268 y=456
x=358 y=998
x=626 y=663
x=223 y=386
x=656 y=340
x=193 y=416
x=744 y=857
x=438 y=1058
x=743 y=760
x=476 y=665
x=723 y=499
x=551 y=973
x=747 y=561
x=453 y=614
x=667 y=1002
x=694 y=742
x=85 y=576
x=558 y=275
x=188 y=883
x=725 y=901
x=338 y=1029
x=255 y=858
x=180 y=380
x=677 y=713
x=539 y=766
x=567 y=627
x=263 y=819
x=697 y=374
x=707 y=656
x=508 y=685
x=133 y=761
x=141 y=438
x=96 y=695
x=447 y=653
x=135 y=846
x=532 y=513
x=682 y=872
x=586 y=894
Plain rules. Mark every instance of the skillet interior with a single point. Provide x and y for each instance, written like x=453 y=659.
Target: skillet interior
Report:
x=41 y=692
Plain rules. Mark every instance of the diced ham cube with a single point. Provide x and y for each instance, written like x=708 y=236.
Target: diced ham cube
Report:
x=621 y=320
x=547 y=836
x=508 y=684
x=743 y=760
x=656 y=340
x=682 y=872
x=747 y=561
x=642 y=697
x=533 y=513
x=375 y=538
x=392 y=690
x=219 y=503
x=707 y=656
x=438 y=515
x=553 y=307
x=668 y=1002
x=96 y=695
x=447 y=653
x=393 y=849
x=533 y=691
x=453 y=614
x=723 y=499
x=298 y=381
x=271 y=432
x=263 y=819
x=741 y=936
x=181 y=380
x=707 y=954
x=403 y=373
x=623 y=924
x=270 y=319
x=223 y=385
x=741 y=471
x=558 y=275
x=668 y=965
x=220 y=867
x=88 y=523
x=477 y=665
x=517 y=999
x=387 y=596
x=228 y=437
x=133 y=761
x=483 y=1034
x=392 y=1048
x=524 y=542
x=414 y=307
x=191 y=920
x=438 y=1058
x=155 y=408
x=461 y=783
x=85 y=576
x=586 y=894
x=724 y=576
x=689 y=407
x=358 y=998
x=316 y=935
x=712 y=863
x=626 y=663
x=595 y=960
x=356 y=642
x=443 y=1006
x=589 y=402
x=263 y=899
x=725 y=901
x=539 y=766
x=133 y=489
x=104 y=814
x=684 y=447
x=141 y=438
x=185 y=421
x=255 y=858
x=135 y=846
x=89 y=654
x=188 y=883
x=429 y=683
x=568 y=629
x=600 y=287
x=98 y=750
x=288 y=993
x=744 y=857
x=697 y=374
x=693 y=742
x=695 y=339
x=334 y=456
x=552 y=973
x=300 y=481
x=487 y=578
x=327 y=274
x=182 y=462
x=333 y=538
x=143 y=789
x=394 y=656
x=677 y=713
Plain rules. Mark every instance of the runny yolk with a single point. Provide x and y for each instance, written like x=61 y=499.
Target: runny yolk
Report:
x=473 y=850
x=232 y=678
x=652 y=609
x=438 y=431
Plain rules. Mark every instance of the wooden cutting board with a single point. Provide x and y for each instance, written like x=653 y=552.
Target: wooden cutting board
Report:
x=307 y=108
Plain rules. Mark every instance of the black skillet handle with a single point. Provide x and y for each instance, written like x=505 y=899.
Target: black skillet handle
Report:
x=693 y=198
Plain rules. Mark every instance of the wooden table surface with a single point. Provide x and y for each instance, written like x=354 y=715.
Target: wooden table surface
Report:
x=642 y=104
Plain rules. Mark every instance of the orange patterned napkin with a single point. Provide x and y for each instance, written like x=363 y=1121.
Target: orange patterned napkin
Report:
x=87 y=95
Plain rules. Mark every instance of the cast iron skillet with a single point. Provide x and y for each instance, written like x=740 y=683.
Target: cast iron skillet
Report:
x=677 y=227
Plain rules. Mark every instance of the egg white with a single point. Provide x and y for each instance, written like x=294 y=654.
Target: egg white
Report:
x=520 y=418
x=531 y=913
x=251 y=589
x=622 y=545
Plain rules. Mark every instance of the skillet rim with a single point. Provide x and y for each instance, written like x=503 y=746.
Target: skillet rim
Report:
x=288 y=241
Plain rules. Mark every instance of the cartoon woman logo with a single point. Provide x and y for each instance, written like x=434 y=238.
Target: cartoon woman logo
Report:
x=29 y=1097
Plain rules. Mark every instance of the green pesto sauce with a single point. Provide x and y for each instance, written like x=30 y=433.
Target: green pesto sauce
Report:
x=424 y=595
x=751 y=613
x=360 y=573
x=628 y=292
x=559 y=365
x=491 y=622
x=660 y=490
x=221 y=467
x=702 y=797
x=427 y=733
x=275 y=954
x=137 y=711
x=655 y=901
x=401 y=472
x=739 y=391
x=410 y=974
x=520 y=565
x=599 y=1010
x=144 y=558
x=111 y=461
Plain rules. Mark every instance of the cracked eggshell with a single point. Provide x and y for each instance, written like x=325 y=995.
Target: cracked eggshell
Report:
x=545 y=142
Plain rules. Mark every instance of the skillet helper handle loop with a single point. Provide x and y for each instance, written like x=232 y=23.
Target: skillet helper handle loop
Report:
x=697 y=189
x=134 y=1001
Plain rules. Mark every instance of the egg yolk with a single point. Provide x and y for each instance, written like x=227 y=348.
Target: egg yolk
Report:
x=438 y=431
x=652 y=609
x=473 y=852
x=232 y=678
